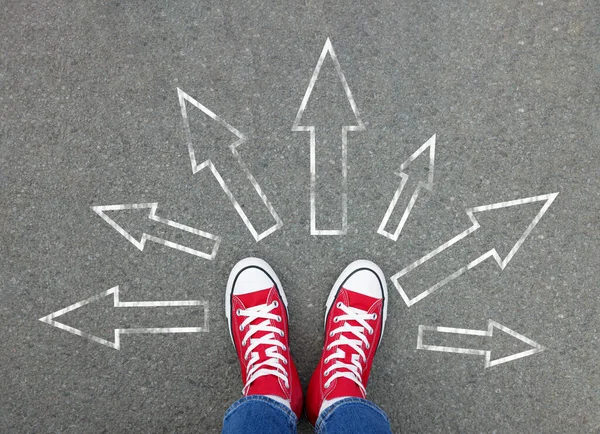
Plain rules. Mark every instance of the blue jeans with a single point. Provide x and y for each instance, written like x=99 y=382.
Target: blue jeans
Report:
x=257 y=414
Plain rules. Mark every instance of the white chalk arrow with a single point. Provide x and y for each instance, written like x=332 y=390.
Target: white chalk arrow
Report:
x=151 y=207
x=546 y=198
x=536 y=348
x=207 y=162
x=328 y=49
x=116 y=344
x=410 y=183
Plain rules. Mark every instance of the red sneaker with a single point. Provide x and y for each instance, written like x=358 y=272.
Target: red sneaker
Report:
x=354 y=323
x=256 y=310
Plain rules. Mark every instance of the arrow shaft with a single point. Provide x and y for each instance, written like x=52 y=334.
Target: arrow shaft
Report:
x=431 y=287
x=396 y=203
x=342 y=193
x=455 y=331
x=155 y=330
x=263 y=197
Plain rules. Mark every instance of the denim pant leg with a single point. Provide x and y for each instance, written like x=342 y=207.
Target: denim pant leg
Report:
x=353 y=416
x=258 y=414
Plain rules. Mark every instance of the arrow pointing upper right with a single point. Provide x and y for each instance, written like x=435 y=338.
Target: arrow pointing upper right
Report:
x=417 y=184
x=546 y=198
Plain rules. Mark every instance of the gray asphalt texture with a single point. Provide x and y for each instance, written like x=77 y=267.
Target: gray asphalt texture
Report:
x=89 y=116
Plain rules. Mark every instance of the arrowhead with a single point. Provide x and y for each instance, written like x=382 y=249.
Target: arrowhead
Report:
x=329 y=58
x=533 y=347
x=424 y=166
x=49 y=319
x=145 y=210
x=546 y=199
x=214 y=135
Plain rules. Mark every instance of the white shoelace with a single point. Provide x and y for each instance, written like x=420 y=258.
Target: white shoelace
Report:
x=256 y=370
x=352 y=371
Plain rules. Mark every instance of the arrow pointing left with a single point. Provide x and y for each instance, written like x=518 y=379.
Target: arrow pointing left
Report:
x=101 y=211
x=116 y=344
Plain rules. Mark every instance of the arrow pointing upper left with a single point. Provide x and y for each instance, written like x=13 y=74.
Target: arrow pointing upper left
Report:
x=101 y=211
x=183 y=97
x=49 y=319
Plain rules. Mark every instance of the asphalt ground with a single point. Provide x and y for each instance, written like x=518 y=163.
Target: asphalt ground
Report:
x=90 y=116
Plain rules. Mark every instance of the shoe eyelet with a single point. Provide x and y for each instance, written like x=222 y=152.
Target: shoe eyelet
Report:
x=331 y=334
x=371 y=331
x=238 y=312
x=241 y=328
x=282 y=334
x=374 y=316
x=243 y=343
x=368 y=346
x=284 y=348
x=285 y=362
x=336 y=319
x=326 y=385
x=326 y=373
x=275 y=303
x=339 y=305
x=278 y=318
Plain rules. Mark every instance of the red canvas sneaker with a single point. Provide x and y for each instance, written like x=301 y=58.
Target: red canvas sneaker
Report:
x=354 y=323
x=256 y=310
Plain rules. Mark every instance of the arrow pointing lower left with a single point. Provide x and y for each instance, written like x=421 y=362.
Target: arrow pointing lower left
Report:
x=101 y=211
x=49 y=319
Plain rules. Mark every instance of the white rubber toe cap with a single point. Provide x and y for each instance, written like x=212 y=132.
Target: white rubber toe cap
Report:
x=364 y=282
x=250 y=280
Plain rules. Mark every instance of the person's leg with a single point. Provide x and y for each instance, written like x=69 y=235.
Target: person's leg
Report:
x=354 y=324
x=257 y=414
x=256 y=310
x=353 y=416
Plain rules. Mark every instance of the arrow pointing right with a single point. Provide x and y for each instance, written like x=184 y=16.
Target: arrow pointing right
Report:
x=502 y=263
x=478 y=352
x=415 y=184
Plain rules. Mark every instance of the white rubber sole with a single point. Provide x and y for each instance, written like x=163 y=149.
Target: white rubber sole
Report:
x=351 y=268
x=237 y=268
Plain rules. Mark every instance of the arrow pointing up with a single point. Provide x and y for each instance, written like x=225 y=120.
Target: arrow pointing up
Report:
x=116 y=344
x=207 y=162
x=359 y=126
x=420 y=179
x=536 y=348
x=151 y=207
x=547 y=199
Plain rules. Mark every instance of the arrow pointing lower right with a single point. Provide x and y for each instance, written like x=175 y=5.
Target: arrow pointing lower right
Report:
x=502 y=263
x=478 y=352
